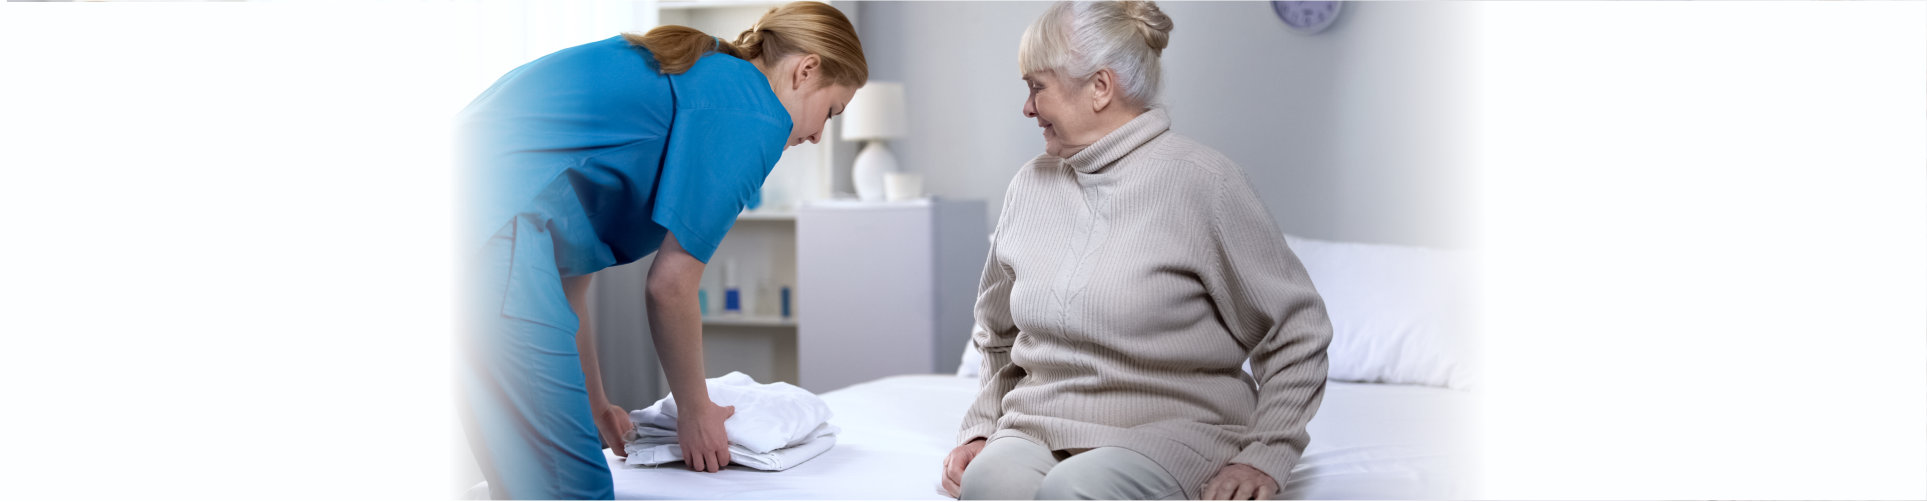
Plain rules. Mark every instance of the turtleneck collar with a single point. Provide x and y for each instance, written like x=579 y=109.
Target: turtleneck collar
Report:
x=1118 y=143
x=1112 y=147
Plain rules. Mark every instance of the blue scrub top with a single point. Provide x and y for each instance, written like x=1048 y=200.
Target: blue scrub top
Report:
x=610 y=154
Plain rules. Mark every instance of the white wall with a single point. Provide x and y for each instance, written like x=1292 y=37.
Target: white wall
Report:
x=1350 y=134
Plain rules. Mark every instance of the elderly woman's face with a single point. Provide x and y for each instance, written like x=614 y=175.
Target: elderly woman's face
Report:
x=1063 y=109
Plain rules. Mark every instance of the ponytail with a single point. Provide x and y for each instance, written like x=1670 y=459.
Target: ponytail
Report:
x=795 y=28
x=676 y=48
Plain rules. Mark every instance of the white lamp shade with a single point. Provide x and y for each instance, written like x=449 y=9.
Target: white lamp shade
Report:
x=876 y=112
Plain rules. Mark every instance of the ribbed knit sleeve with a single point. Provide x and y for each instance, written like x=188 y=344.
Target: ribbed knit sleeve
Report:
x=993 y=336
x=1270 y=305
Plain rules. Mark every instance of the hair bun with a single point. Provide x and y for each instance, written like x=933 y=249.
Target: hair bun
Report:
x=1151 y=23
x=749 y=44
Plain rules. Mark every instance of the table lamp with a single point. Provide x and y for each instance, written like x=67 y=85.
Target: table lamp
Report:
x=874 y=115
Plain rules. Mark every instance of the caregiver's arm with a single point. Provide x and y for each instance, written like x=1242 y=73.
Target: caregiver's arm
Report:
x=610 y=420
x=675 y=320
x=1268 y=303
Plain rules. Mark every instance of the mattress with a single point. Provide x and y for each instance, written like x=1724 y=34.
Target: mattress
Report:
x=1368 y=441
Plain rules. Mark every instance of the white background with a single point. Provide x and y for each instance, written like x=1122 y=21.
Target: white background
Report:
x=227 y=268
x=1704 y=228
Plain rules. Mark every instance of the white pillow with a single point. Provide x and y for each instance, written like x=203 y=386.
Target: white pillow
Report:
x=1399 y=313
x=973 y=361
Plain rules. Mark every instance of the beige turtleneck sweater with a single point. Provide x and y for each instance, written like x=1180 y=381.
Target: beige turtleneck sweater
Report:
x=1125 y=288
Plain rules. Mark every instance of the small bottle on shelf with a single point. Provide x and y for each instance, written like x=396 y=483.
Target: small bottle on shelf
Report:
x=732 y=292
x=786 y=302
x=765 y=299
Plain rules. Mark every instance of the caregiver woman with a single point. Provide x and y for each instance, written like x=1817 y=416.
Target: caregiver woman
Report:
x=596 y=156
x=1132 y=272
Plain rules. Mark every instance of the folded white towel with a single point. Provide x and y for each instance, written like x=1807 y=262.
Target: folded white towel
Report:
x=655 y=449
x=788 y=423
x=768 y=416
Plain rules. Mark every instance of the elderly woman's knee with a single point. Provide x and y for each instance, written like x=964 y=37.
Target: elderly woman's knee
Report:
x=1076 y=488
x=1108 y=474
x=1069 y=483
x=989 y=481
x=1007 y=469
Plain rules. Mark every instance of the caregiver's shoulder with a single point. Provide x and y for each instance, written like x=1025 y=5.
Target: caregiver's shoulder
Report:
x=722 y=81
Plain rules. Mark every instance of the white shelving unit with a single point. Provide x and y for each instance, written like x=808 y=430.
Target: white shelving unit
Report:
x=754 y=321
x=757 y=341
x=767 y=216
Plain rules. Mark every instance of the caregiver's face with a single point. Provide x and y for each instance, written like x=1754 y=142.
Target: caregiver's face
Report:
x=806 y=93
x=814 y=109
x=1064 y=110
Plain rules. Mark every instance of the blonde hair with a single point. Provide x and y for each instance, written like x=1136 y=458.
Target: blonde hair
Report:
x=795 y=28
x=1080 y=38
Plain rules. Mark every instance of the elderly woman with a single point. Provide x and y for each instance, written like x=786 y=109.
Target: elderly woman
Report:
x=1132 y=273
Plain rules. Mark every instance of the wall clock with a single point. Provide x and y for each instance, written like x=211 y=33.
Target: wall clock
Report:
x=1308 y=17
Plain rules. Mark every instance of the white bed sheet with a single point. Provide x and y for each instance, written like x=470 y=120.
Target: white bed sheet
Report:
x=1378 y=441
x=1368 y=441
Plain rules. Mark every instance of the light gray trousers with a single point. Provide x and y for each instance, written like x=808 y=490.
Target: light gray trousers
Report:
x=1017 y=469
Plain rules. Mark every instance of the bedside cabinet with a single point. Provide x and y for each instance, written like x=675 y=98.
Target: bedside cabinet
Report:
x=885 y=288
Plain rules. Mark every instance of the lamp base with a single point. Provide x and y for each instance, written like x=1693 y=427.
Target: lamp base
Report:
x=867 y=172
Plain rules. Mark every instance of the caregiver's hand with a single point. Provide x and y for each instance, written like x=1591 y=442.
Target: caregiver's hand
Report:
x=705 y=445
x=611 y=422
x=953 y=465
x=1240 y=482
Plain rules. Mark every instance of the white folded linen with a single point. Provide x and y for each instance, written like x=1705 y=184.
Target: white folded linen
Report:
x=768 y=416
x=775 y=426
x=655 y=449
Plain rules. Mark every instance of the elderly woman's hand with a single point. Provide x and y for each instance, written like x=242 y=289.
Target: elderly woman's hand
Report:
x=954 y=464
x=1240 y=482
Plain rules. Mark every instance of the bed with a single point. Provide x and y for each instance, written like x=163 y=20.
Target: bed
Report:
x=1395 y=422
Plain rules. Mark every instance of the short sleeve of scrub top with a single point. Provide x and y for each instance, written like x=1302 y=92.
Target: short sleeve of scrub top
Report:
x=608 y=154
x=716 y=161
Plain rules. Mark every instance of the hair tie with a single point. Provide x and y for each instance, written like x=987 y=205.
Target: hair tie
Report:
x=718 y=46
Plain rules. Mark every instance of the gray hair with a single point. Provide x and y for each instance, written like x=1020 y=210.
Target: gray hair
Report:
x=1080 y=38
